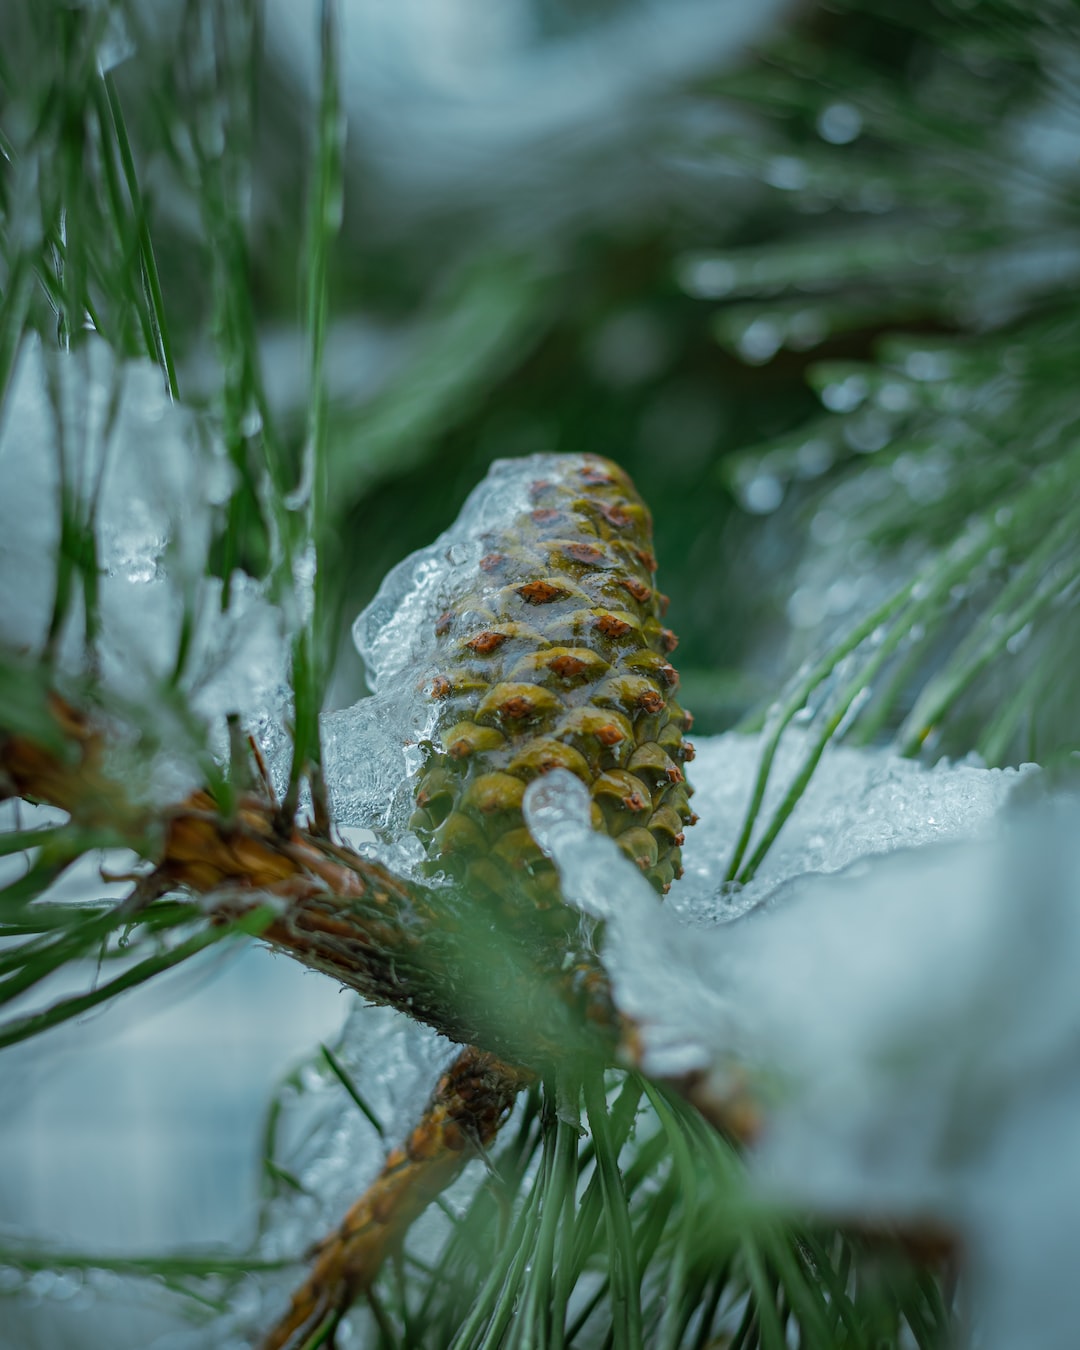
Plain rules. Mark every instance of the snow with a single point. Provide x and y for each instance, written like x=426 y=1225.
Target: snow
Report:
x=860 y=802
x=923 y=1010
x=906 y=1008
x=896 y=984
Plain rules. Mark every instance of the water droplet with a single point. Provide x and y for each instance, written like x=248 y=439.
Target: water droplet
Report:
x=68 y=1284
x=760 y=341
x=827 y=527
x=924 y=479
x=305 y=565
x=857 y=704
x=903 y=467
x=867 y=433
x=219 y=479
x=1019 y=640
x=310 y=1078
x=839 y=123
x=844 y=396
x=927 y=366
x=813 y=458
x=841 y=595
x=894 y=397
x=245 y=1302
x=116 y=43
x=707 y=278
x=761 y=494
x=786 y=172
x=806 y=607
x=41 y=1283
x=806 y=329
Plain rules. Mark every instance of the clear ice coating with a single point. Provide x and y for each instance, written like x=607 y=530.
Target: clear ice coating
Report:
x=103 y=433
x=395 y=635
x=556 y=809
x=335 y=1153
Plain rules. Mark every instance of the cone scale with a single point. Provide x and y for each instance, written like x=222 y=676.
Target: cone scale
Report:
x=554 y=654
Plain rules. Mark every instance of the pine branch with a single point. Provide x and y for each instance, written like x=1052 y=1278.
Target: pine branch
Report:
x=390 y=939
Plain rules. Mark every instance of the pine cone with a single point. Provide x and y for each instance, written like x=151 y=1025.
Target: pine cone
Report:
x=555 y=656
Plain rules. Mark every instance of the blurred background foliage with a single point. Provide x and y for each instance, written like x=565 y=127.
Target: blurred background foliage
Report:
x=818 y=300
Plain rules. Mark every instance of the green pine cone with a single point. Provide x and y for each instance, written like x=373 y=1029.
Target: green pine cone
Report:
x=556 y=657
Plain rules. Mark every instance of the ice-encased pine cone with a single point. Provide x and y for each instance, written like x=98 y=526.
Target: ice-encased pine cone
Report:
x=555 y=656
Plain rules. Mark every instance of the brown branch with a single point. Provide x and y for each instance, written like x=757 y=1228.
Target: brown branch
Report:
x=63 y=768
x=434 y=954
x=466 y=1109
